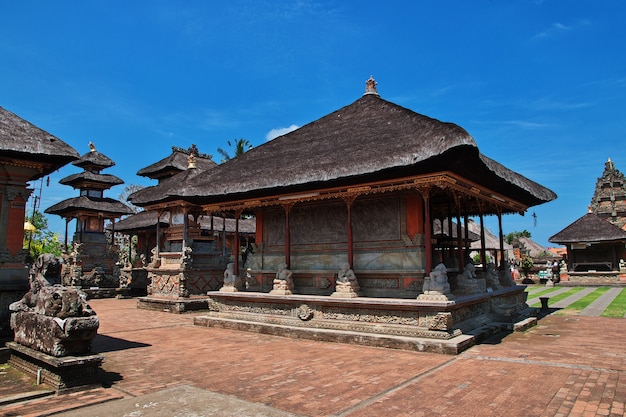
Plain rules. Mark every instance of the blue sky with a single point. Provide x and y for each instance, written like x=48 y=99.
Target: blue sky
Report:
x=540 y=85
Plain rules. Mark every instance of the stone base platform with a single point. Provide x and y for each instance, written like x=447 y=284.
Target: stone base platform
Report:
x=448 y=327
x=100 y=292
x=62 y=374
x=173 y=304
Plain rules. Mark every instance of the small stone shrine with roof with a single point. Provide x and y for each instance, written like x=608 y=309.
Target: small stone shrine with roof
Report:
x=142 y=230
x=91 y=261
x=596 y=242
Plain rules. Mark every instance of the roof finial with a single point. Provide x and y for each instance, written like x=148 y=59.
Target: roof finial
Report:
x=92 y=147
x=191 y=161
x=370 y=86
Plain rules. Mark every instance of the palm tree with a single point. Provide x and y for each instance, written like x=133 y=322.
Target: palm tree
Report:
x=240 y=146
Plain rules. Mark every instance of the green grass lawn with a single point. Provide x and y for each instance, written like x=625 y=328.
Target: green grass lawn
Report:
x=559 y=297
x=618 y=307
x=578 y=306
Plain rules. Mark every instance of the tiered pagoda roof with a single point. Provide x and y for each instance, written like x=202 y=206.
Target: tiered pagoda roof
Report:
x=176 y=162
x=609 y=197
x=91 y=180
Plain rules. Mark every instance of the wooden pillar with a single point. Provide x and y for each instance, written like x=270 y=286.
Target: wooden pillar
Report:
x=349 y=200
x=236 y=248
x=67 y=221
x=428 y=231
x=483 y=254
x=501 y=240
x=185 y=227
x=223 y=235
x=459 y=236
x=287 y=208
x=158 y=235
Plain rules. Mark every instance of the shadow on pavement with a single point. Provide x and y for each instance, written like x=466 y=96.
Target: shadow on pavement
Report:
x=103 y=344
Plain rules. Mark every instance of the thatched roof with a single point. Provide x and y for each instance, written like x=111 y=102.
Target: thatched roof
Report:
x=590 y=228
x=146 y=220
x=108 y=206
x=22 y=141
x=104 y=181
x=93 y=158
x=369 y=140
x=442 y=234
x=177 y=161
x=534 y=249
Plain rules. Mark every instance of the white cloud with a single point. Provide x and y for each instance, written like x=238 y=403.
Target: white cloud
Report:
x=279 y=131
x=555 y=29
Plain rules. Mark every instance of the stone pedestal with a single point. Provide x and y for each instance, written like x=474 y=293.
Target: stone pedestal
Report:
x=54 y=336
x=282 y=287
x=346 y=290
x=60 y=373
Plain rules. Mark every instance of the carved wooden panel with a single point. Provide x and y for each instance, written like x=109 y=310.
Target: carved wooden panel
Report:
x=319 y=223
x=376 y=219
x=274 y=224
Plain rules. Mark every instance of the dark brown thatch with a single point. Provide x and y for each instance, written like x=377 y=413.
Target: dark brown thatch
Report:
x=177 y=161
x=108 y=206
x=23 y=141
x=146 y=220
x=442 y=234
x=94 y=158
x=105 y=181
x=370 y=139
x=590 y=228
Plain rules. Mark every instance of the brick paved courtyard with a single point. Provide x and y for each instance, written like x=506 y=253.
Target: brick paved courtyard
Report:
x=565 y=366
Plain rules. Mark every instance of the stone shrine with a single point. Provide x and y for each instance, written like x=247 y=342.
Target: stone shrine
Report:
x=91 y=260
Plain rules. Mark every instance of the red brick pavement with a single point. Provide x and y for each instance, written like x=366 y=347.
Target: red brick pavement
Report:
x=566 y=366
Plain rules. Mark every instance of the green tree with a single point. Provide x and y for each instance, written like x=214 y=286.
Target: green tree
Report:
x=41 y=240
x=526 y=265
x=239 y=146
x=511 y=236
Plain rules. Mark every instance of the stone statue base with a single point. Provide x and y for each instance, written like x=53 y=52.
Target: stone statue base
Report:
x=52 y=335
x=346 y=290
x=228 y=288
x=62 y=374
x=435 y=296
x=282 y=287
x=471 y=286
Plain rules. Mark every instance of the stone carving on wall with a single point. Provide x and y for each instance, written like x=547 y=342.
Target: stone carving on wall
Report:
x=52 y=318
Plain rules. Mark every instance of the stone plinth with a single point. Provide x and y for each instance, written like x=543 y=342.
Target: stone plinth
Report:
x=60 y=373
x=346 y=290
x=54 y=336
x=444 y=326
x=173 y=304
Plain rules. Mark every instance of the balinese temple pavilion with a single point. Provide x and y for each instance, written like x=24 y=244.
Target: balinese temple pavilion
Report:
x=596 y=242
x=345 y=208
x=93 y=258
x=142 y=228
x=27 y=153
